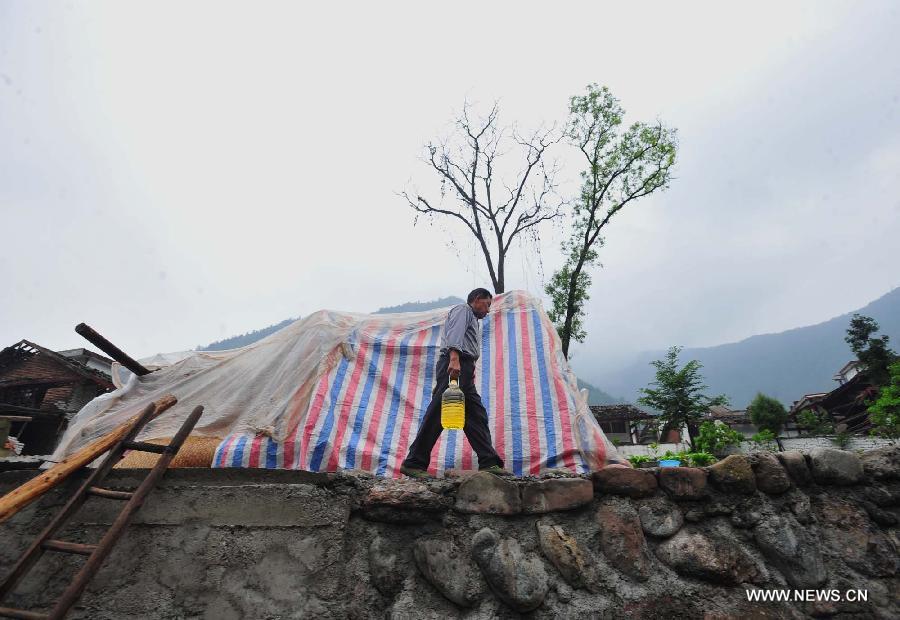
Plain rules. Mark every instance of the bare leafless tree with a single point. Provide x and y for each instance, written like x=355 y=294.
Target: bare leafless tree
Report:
x=494 y=207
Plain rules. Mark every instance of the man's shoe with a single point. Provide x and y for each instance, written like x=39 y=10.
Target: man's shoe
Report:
x=497 y=471
x=414 y=472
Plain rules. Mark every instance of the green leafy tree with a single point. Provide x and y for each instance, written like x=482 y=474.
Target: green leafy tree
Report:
x=560 y=300
x=884 y=413
x=622 y=166
x=872 y=352
x=767 y=413
x=678 y=394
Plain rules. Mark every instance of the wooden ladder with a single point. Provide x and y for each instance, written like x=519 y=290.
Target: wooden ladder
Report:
x=96 y=554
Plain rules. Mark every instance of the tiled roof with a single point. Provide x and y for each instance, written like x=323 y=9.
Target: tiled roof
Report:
x=24 y=349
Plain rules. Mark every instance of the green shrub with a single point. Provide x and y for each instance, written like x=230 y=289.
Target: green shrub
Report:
x=764 y=439
x=637 y=459
x=763 y=436
x=714 y=438
x=692 y=459
x=842 y=439
x=815 y=422
x=700 y=459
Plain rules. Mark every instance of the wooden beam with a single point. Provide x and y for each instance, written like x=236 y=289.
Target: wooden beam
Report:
x=32 y=412
x=47 y=383
x=111 y=350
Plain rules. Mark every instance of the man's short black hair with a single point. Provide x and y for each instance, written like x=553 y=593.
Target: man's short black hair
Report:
x=479 y=293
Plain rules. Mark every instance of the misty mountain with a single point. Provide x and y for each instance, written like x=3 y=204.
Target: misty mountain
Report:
x=596 y=396
x=244 y=339
x=420 y=306
x=785 y=365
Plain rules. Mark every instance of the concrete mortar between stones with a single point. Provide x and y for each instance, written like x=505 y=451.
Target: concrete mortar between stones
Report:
x=258 y=543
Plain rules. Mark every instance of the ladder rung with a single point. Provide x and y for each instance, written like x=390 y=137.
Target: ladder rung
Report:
x=96 y=553
x=9 y=612
x=108 y=493
x=68 y=547
x=145 y=447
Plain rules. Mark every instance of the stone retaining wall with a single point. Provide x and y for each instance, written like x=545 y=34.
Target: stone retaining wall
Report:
x=855 y=442
x=640 y=449
x=621 y=543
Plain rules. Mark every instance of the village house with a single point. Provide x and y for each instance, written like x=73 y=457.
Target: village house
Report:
x=40 y=390
x=736 y=419
x=626 y=424
x=846 y=405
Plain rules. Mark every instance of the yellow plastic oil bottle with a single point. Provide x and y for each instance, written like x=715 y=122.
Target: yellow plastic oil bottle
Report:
x=453 y=407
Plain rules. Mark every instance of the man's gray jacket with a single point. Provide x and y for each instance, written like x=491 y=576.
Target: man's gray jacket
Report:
x=462 y=332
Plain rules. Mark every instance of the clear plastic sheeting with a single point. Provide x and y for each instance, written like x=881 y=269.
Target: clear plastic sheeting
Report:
x=161 y=360
x=268 y=390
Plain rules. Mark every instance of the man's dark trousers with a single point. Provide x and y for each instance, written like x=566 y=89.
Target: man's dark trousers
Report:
x=476 y=428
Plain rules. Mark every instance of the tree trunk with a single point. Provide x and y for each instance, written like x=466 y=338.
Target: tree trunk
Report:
x=499 y=283
x=570 y=312
x=692 y=432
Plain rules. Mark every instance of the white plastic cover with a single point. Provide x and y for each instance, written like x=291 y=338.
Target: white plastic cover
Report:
x=265 y=387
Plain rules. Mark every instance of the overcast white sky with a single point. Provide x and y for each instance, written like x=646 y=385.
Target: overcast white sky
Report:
x=173 y=173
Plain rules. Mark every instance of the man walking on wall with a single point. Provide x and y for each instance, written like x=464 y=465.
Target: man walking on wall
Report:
x=460 y=347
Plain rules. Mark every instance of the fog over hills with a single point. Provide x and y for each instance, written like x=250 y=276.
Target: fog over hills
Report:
x=420 y=306
x=785 y=365
x=244 y=339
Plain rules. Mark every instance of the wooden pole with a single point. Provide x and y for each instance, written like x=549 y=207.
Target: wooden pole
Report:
x=18 y=498
x=110 y=349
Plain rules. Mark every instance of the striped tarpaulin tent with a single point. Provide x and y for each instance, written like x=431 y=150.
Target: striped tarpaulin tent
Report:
x=367 y=407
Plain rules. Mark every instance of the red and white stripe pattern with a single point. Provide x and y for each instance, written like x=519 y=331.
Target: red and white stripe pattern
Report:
x=365 y=412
